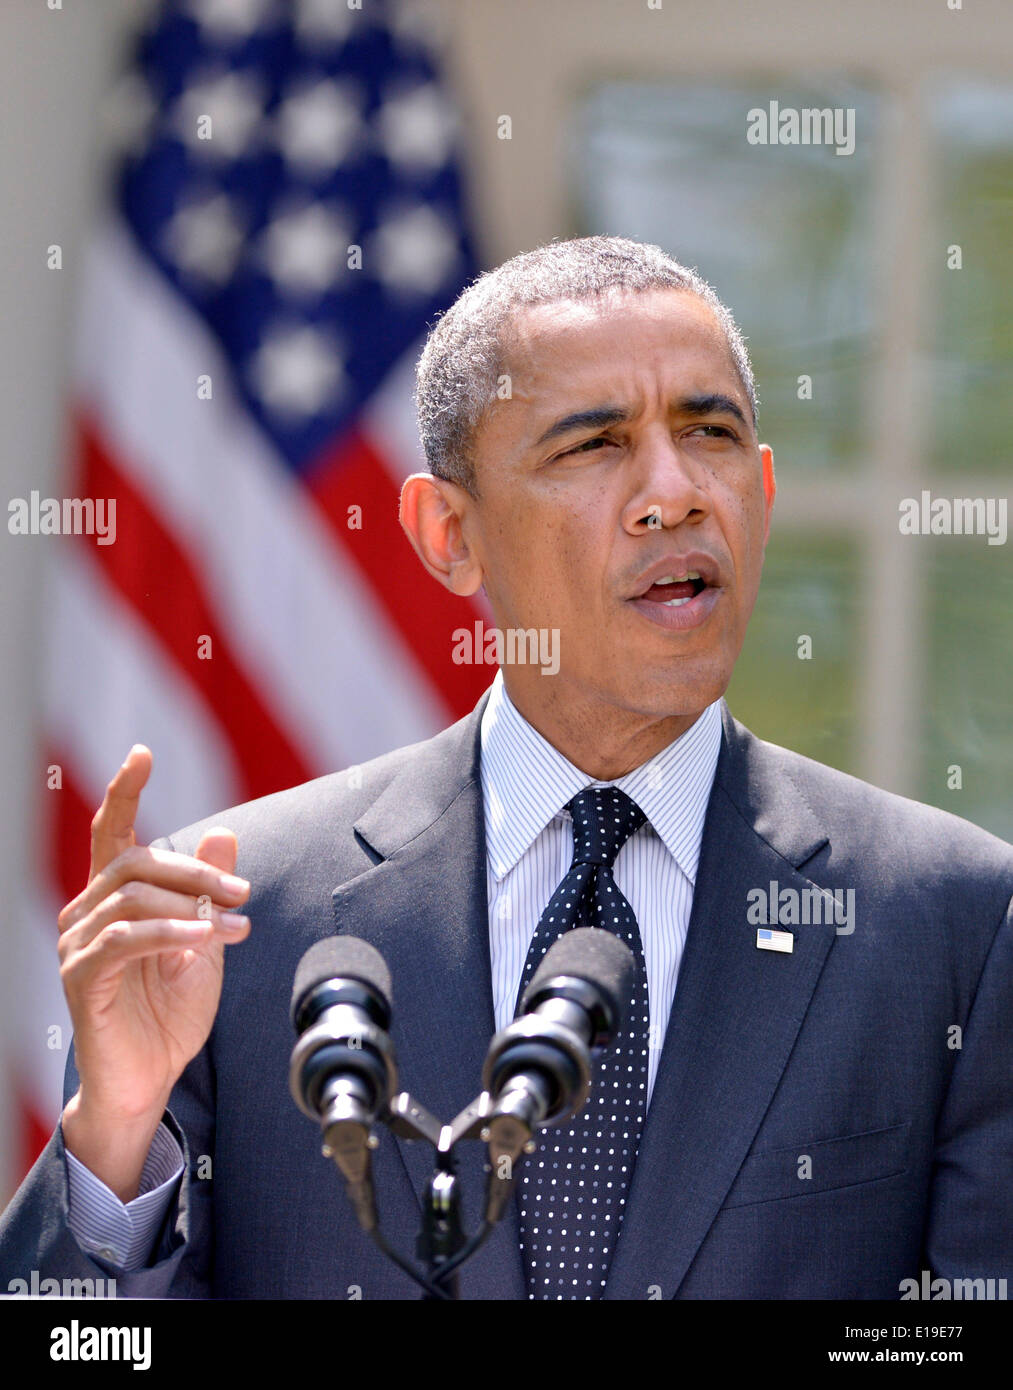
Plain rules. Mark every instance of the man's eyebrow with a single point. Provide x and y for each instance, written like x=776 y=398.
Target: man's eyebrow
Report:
x=713 y=403
x=600 y=417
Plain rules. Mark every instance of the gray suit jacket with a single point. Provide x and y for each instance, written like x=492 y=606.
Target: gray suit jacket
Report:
x=815 y=1131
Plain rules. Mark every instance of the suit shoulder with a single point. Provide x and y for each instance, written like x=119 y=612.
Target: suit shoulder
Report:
x=311 y=809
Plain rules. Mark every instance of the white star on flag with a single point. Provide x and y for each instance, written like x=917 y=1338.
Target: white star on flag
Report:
x=413 y=251
x=416 y=127
x=319 y=125
x=231 y=19
x=295 y=370
x=235 y=103
x=303 y=249
x=204 y=238
x=327 y=20
x=419 y=22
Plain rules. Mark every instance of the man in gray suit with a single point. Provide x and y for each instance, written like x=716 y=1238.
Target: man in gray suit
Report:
x=828 y=1106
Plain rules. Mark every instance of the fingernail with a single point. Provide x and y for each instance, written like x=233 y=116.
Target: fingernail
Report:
x=234 y=921
x=231 y=884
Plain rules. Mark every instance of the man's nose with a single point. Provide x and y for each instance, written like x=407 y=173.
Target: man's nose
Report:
x=667 y=486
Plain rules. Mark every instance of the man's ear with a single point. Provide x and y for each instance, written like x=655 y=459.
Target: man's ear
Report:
x=434 y=516
x=769 y=486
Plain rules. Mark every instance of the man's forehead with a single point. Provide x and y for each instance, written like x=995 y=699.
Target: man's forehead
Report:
x=568 y=333
x=569 y=346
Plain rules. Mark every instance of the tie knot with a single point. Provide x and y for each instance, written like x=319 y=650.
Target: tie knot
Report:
x=604 y=818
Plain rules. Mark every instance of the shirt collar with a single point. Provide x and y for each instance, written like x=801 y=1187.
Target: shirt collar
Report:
x=526 y=782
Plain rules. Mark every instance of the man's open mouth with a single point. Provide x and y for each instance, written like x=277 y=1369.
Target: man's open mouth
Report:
x=674 y=590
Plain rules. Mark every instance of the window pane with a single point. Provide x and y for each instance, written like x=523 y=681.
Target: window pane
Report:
x=968 y=699
x=971 y=361
x=810 y=588
x=781 y=231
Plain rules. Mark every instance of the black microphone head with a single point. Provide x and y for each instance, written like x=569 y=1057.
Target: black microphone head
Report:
x=594 y=955
x=340 y=958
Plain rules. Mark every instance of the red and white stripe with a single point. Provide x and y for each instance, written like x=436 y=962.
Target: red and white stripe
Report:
x=330 y=645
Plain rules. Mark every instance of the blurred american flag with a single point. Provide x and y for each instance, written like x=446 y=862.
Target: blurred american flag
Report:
x=289 y=216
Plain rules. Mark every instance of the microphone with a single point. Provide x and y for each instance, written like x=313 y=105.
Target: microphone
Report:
x=343 y=1072
x=538 y=1069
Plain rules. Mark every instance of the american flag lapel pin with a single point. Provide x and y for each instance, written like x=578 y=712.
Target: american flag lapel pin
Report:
x=769 y=940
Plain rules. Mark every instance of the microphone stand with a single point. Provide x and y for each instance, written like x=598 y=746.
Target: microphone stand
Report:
x=442 y=1243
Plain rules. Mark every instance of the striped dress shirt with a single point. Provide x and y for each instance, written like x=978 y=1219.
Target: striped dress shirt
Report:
x=526 y=784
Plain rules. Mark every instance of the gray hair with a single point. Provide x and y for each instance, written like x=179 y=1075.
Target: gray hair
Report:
x=458 y=373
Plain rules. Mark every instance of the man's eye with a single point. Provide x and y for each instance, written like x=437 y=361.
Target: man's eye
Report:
x=717 y=429
x=584 y=448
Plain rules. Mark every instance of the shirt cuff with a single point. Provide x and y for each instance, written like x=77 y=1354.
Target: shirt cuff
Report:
x=124 y=1234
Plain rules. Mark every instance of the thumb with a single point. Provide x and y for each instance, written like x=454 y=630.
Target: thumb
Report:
x=219 y=847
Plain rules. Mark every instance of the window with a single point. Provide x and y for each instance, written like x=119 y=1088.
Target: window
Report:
x=883 y=362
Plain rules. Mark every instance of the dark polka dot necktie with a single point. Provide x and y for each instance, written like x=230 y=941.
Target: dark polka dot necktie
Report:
x=572 y=1189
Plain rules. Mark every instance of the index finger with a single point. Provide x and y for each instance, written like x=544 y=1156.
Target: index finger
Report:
x=112 y=828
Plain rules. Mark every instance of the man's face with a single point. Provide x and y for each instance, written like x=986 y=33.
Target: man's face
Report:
x=578 y=523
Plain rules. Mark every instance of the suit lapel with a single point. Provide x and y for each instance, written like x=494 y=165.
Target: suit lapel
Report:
x=424 y=907
x=734 y=1020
